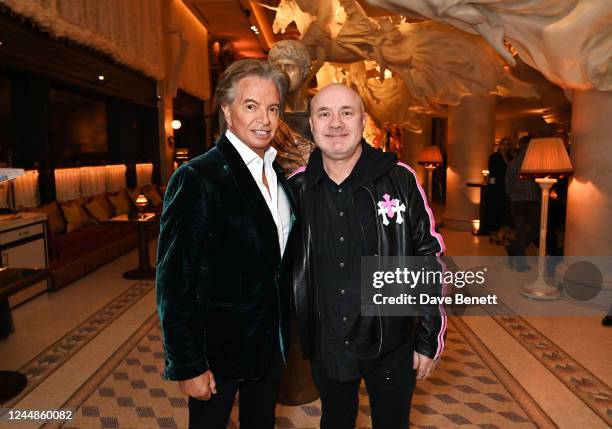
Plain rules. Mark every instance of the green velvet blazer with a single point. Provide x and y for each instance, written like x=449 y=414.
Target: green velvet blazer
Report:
x=222 y=287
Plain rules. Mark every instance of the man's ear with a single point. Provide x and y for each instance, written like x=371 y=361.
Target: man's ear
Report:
x=364 y=119
x=227 y=114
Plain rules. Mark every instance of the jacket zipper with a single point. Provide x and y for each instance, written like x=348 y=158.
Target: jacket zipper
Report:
x=379 y=255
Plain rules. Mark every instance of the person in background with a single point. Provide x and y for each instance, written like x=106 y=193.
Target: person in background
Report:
x=524 y=196
x=224 y=245
x=498 y=211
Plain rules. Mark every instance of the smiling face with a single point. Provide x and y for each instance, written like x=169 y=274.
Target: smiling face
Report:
x=254 y=114
x=337 y=121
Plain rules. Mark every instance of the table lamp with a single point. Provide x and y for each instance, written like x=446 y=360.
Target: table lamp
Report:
x=546 y=160
x=141 y=203
x=431 y=158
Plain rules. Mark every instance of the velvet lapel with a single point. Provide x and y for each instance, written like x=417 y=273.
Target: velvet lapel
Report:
x=251 y=195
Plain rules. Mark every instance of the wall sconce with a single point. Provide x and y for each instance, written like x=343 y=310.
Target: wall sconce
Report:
x=175 y=124
x=475 y=226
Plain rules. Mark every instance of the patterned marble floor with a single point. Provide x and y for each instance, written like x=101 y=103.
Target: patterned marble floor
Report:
x=464 y=392
x=95 y=348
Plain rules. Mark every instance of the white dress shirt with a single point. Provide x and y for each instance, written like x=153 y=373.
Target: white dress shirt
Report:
x=275 y=199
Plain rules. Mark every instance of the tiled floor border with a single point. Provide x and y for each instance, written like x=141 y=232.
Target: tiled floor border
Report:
x=54 y=356
x=520 y=395
x=587 y=387
x=580 y=381
x=83 y=392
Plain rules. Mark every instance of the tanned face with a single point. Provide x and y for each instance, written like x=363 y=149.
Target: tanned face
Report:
x=254 y=115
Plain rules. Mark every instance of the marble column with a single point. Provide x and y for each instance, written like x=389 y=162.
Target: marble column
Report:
x=588 y=229
x=471 y=137
x=412 y=144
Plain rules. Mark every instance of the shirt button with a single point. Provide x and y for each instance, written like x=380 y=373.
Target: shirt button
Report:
x=341 y=238
x=346 y=342
x=344 y=318
x=341 y=213
x=340 y=190
x=342 y=291
x=341 y=264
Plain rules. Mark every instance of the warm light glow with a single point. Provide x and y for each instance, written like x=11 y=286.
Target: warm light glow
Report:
x=475 y=226
x=485 y=176
x=101 y=77
x=176 y=124
x=430 y=155
x=182 y=154
x=546 y=157
x=262 y=21
x=141 y=200
x=216 y=47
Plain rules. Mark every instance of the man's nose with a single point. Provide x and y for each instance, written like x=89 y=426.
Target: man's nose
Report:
x=264 y=118
x=336 y=122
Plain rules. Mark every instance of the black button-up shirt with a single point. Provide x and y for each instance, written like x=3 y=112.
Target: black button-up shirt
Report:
x=344 y=231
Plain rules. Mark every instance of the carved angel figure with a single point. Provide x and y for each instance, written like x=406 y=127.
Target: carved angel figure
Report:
x=568 y=41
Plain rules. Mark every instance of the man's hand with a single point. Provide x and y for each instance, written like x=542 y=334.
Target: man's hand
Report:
x=200 y=387
x=423 y=365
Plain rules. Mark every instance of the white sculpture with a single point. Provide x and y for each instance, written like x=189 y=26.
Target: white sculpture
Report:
x=438 y=64
x=293 y=58
x=568 y=41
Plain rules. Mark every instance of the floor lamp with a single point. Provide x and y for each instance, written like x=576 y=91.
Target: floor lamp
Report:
x=546 y=160
x=431 y=158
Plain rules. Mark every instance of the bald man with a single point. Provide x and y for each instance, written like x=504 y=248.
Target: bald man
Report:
x=339 y=194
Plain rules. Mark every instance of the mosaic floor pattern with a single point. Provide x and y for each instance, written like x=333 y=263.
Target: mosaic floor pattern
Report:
x=464 y=392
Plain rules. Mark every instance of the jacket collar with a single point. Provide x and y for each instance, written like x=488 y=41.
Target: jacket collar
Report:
x=371 y=164
x=247 y=154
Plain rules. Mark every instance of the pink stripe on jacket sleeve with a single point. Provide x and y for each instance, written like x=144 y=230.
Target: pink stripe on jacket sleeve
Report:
x=297 y=171
x=438 y=237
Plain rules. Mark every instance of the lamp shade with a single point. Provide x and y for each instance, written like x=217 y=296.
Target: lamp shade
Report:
x=141 y=199
x=430 y=155
x=546 y=157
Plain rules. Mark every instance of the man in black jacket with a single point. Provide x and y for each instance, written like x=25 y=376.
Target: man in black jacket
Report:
x=221 y=284
x=341 y=197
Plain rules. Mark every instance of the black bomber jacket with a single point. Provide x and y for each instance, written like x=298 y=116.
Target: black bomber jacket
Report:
x=415 y=235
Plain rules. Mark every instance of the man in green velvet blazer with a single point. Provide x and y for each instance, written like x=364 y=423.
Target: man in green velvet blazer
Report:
x=226 y=233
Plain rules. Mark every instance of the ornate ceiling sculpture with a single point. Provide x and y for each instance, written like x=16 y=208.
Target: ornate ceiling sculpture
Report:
x=568 y=41
x=432 y=64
